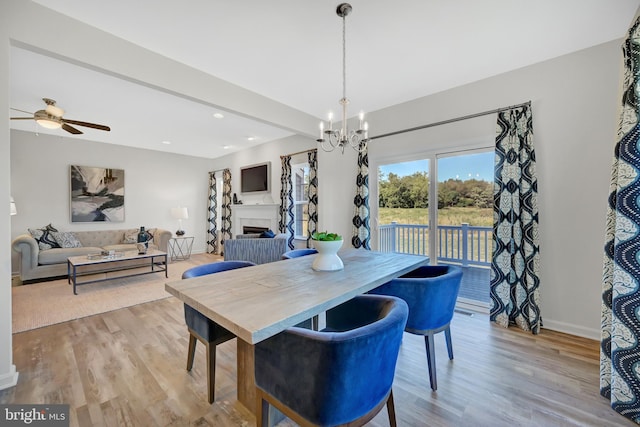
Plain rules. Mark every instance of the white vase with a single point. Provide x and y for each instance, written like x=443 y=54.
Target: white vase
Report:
x=327 y=258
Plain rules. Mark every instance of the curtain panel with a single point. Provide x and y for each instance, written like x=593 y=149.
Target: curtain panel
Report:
x=226 y=209
x=286 y=201
x=515 y=282
x=620 y=321
x=361 y=230
x=312 y=224
x=212 y=228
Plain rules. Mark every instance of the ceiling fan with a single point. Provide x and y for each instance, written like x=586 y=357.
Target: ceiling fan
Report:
x=51 y=118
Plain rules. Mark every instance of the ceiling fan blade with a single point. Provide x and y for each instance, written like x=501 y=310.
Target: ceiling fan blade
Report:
x=86 y=124
x=71 y=129
x=22 y=111
x=20 y=118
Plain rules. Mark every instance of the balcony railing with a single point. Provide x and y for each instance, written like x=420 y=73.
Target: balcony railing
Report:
x=460 y=244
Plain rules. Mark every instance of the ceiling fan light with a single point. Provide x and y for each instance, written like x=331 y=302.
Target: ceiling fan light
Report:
x=49 y=124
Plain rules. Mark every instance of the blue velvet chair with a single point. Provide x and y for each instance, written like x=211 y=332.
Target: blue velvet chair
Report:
x=342 y=374
x=204 y=329
x=431 y=292
x=295 y=253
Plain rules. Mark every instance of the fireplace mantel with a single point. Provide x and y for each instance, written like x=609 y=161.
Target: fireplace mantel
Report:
x=257 y=215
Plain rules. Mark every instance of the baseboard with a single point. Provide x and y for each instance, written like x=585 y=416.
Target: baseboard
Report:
x=9 y=379
x=571 y=329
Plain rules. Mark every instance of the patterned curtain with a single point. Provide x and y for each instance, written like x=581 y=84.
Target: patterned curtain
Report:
x=286 y=201
x=515 y=265
x=361 y=230
x=212 y=233
x=312 y=224
x=619 y=346
x=226 y=208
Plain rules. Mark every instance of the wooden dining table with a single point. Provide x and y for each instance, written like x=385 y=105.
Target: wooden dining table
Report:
x=258 y=302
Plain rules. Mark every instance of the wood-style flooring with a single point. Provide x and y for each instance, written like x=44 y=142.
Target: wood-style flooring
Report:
x=127 y=367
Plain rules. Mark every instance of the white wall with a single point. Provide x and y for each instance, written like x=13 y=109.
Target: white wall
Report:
x=155 y=182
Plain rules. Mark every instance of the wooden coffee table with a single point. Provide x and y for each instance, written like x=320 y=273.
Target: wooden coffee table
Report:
x=157 y=263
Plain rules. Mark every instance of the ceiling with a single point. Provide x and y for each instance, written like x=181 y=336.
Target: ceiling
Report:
x=290 y=51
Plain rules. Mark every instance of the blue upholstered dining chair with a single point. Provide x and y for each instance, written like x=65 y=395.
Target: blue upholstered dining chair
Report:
x=295 y=253
x=204 y=329
x=431 y=292
x=342 y=374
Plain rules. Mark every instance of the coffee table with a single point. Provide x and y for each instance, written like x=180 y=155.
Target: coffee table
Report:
x=98 y=264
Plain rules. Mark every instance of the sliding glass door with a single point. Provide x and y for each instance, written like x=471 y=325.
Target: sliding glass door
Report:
x=440 y=206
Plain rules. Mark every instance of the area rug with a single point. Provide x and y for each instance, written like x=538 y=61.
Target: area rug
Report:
x=47 y=303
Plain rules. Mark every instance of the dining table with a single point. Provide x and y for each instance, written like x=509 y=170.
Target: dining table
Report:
x=260 y=301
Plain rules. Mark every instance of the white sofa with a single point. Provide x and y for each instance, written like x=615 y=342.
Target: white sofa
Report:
x=37 y=264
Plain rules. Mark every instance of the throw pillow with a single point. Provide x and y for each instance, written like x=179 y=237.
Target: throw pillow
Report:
x=267 y=234
x=66 y=239
x=44 y=238
x=131 y=236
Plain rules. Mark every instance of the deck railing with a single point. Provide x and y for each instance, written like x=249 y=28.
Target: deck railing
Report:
x=461 y=244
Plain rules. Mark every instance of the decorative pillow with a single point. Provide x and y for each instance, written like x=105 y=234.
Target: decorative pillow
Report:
x=267 y=234
x=66 y=239
x=131 y=236
x=44 y=238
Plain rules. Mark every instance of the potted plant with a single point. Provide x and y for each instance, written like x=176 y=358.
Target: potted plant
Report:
x=327 y=245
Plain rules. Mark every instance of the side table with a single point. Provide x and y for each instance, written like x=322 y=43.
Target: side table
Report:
x=180 y=247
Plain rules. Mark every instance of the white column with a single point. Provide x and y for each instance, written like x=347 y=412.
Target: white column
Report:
x=8 y=374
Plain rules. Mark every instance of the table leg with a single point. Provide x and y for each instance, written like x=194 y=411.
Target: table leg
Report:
x=246 y=375
x=246 y=381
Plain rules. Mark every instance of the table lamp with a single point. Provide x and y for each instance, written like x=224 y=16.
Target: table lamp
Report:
x=179 y=214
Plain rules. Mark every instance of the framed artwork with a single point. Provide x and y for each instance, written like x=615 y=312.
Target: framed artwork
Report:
x=97 y=194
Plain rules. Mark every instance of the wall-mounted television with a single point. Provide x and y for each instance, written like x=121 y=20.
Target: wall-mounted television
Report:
x=255 y=178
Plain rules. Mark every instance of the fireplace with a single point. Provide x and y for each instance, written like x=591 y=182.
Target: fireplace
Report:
x=259 y=217
x=251 y=229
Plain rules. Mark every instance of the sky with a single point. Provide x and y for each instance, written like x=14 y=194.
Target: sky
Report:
x=469 y=166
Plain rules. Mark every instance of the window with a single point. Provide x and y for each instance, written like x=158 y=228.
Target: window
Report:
x=300 y=177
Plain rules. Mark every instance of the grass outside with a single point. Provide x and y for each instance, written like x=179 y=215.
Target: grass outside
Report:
x=448 y=216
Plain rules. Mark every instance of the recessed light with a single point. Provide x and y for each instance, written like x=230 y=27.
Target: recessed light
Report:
x=251 y=138
x=166 y=142
x=225 y=147
x=218 y=116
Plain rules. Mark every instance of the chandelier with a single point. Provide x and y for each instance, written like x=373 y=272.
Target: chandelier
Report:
x=330 y=138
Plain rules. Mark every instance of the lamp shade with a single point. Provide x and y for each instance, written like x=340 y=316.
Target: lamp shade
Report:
x=13 y=209
x=179 y=213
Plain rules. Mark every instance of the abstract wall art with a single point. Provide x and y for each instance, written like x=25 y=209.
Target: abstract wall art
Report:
x=97 y=194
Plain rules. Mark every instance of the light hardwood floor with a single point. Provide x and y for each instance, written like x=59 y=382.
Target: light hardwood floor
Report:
x=127 y=367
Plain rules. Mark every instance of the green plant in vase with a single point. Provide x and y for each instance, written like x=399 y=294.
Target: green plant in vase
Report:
x=327 y=245
x=325 y=236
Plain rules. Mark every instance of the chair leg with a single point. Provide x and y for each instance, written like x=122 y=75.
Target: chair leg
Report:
x=262 y=410
x=391 y=410
x=447 y=336
x=191 y=352
x=211 y=371
x=431 y=360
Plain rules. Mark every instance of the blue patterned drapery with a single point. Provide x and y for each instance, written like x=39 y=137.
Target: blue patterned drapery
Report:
x=226 y=208
x=619 y=346
x=212 y=228
x=361 y=230
x=312 y=224
x=515 y=263
x=286 y=201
